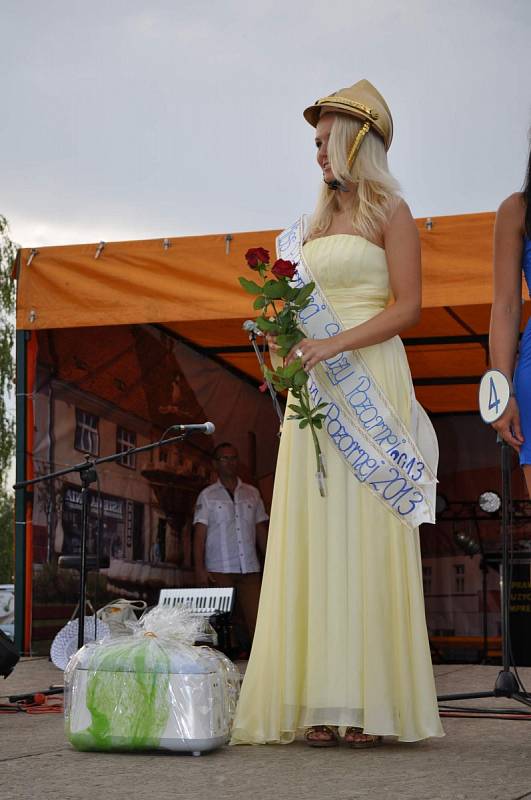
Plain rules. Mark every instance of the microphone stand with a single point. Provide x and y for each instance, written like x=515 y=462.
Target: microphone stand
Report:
x=272 y=392
x=88 y=475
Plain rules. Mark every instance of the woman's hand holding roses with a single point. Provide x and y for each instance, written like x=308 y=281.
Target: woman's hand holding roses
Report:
x=312 y=351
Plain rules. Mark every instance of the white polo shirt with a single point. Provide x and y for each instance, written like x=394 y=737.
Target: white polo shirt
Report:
x=231 y=526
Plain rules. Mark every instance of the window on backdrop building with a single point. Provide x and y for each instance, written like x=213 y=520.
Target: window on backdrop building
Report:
x=87 y=437
x=459 y=578
x=106 y=522
x=124 y=441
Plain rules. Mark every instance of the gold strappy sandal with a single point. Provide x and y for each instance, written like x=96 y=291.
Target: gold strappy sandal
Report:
x=356 y=738
x=311 y=736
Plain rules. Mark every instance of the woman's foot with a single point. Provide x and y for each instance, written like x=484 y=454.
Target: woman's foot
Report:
x=355 y=737
x=321 y=736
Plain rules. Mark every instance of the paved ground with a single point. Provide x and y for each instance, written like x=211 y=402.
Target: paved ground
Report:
x=479 y=759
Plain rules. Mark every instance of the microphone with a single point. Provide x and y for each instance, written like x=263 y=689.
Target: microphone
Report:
x=203 y=427
x=251 y=327
x=335 y=184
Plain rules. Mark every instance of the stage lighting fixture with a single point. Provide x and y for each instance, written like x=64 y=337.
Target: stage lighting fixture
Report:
x=489 y=502
x=465 y=543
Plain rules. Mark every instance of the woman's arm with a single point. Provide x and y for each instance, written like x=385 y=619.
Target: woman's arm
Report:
x=507 y=290
x=507 y=306
x=402 y=249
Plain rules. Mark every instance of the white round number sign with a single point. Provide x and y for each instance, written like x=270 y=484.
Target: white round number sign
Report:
x=494 y=393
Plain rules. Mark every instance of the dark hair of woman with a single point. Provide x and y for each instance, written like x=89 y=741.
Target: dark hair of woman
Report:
x=526 y=192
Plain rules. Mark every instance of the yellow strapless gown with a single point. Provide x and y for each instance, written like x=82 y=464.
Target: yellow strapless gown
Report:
x=341 y=636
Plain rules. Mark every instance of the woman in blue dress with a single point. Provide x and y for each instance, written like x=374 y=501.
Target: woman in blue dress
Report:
x=512 y=255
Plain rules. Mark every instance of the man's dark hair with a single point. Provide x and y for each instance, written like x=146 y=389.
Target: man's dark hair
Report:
x=215 y=454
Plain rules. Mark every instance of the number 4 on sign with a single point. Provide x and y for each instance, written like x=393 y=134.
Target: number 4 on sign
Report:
x=494 y=401
x=494 y=393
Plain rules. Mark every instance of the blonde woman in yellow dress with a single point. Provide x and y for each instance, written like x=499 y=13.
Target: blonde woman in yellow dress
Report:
x=341 y=647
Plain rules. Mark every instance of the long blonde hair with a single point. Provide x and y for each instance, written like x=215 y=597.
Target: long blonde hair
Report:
x=377 y=190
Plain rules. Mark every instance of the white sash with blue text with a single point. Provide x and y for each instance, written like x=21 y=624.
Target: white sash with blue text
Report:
x=396 y=464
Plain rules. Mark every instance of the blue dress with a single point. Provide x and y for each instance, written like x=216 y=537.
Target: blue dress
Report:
x=522 y=376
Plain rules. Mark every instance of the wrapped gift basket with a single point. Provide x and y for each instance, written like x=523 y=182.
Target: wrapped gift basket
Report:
x=151 y=688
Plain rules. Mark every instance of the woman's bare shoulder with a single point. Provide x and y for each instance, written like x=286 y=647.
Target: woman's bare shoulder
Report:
x=512 y=209
x=398 y=209
x=399 y=218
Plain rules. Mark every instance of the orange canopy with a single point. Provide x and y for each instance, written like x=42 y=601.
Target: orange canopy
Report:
x=190 y=286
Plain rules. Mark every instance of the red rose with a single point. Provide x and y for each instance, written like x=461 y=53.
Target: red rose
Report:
x=256 y=257
x=284 y=269
x=263 y=387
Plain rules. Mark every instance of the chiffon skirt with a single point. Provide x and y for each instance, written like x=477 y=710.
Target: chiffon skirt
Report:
x=341 y=635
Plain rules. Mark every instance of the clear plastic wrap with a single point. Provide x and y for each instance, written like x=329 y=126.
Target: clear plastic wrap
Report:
x=119 y=614
x=151 y=689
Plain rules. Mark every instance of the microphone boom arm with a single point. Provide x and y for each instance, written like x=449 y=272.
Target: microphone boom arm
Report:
x=272 y=392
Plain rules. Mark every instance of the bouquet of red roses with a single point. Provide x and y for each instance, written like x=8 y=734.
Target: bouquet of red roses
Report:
x=280 y=304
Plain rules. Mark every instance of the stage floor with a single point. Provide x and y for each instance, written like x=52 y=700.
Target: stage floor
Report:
x=479 y=759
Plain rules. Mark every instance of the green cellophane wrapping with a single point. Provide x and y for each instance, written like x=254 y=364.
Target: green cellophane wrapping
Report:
x=127 y=696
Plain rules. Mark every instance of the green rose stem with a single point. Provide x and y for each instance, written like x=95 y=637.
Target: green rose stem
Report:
x=321 y=473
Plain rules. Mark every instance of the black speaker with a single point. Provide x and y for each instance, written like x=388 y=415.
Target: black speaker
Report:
x=9 y=655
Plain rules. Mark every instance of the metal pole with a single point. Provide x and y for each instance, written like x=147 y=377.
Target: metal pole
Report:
x=484 y=569
x=87 y=477
x=506 y=683
x=505 y=571
x=21 y=497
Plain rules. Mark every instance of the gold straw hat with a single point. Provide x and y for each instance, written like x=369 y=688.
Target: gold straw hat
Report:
x=363 y=101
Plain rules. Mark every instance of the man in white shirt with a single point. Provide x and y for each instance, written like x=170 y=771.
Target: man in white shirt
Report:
x=229 y=533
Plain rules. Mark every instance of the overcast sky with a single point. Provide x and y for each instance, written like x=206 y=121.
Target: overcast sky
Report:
x=126 y=119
